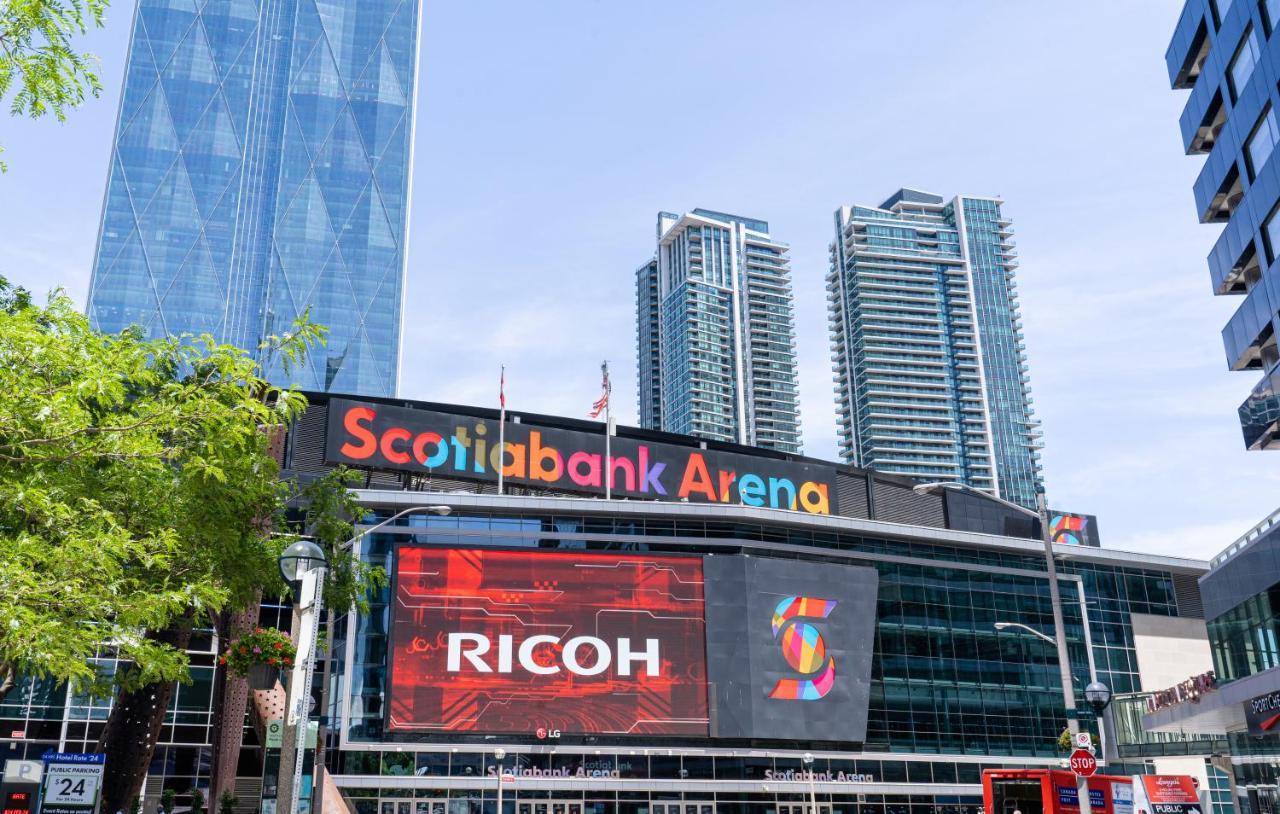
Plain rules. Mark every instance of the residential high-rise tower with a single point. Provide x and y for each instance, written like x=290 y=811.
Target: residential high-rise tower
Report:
x=261 y=168
x=930 y=365
x=716 y=332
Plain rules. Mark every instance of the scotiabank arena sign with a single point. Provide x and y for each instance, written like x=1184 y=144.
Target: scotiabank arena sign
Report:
x=496 y=641
x=378 y=436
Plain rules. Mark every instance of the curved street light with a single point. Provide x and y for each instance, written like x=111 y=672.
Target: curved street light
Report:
x=320 y=768
x=1041 y=513
x=1027 y=628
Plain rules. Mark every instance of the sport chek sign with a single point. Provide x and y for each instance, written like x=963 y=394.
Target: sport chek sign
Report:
x=628 y=644
x=378 y=436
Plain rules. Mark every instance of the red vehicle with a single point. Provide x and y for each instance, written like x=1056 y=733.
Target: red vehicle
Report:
x=1053 y=791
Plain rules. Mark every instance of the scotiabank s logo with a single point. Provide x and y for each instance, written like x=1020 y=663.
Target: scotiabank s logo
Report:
x=803 y=648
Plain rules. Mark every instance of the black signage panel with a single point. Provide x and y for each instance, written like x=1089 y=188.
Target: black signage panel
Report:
x=378 y=436
x=1263 y=714
x=789 y=647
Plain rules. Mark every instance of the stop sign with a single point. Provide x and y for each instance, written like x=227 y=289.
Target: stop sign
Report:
x=1083 y=763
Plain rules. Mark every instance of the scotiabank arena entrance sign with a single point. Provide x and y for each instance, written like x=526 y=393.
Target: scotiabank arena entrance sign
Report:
x=379 y=436
x=491 y=641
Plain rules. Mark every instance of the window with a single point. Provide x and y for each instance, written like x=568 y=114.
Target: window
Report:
x=1270 y=14
x=1242 y=64
x=1261 y=142
x=1220 y=8
x=1271 y=234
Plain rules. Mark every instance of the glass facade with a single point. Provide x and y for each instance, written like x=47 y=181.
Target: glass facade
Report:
x=261 y=170
x=944 y=681
x=1227 y=56
x=927 y=344
x=715 y=328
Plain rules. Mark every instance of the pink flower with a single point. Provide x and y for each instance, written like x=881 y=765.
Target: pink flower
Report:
x=257 y=649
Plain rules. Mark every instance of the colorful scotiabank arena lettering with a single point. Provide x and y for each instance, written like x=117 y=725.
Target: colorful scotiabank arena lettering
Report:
x=464 y=446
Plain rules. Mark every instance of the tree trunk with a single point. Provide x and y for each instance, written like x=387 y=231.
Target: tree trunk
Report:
x=228 y=713
x=129 y=739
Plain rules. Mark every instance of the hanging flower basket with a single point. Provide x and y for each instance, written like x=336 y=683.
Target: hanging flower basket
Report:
x=262 y=677
x=260 y=656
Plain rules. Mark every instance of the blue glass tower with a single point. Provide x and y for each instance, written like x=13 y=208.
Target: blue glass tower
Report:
x=1223 y=52
x=931 y=368
x=261 y=168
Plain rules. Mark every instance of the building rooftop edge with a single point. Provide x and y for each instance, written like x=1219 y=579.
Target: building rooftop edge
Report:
x=827 y=521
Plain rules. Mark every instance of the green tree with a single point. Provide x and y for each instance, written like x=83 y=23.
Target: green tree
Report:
x=39 y=67
x=138 y=497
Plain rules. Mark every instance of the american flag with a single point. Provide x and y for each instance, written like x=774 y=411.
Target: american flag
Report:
x=601 y=404
x=502 y=388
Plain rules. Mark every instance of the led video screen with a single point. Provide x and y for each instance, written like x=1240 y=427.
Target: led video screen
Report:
x=493 y=641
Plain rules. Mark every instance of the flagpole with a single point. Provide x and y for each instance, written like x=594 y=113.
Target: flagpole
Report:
x=502 y=425
x=608 y=434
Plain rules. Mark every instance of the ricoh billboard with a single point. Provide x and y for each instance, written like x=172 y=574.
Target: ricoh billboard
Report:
x=492 y=641
x=379 y=436
x=511 y=641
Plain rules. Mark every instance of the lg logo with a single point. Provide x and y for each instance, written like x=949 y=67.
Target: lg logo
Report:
x=803 y=648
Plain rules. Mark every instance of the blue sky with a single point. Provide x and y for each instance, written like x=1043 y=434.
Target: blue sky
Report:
x=549 y=135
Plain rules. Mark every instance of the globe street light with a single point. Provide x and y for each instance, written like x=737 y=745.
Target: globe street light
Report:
x=1099 y=697
x=499 y=754
x=299 y=558
x=813 y=798
x=302 y=565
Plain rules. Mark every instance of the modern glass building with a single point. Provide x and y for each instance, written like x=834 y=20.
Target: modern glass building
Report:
x=1241 y=597
x=260 y=170
x=947 y=694
x=1224 y=53
x=716 y=332
x=930 y=364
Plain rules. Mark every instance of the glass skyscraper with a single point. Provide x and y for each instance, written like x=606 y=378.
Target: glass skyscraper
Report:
x=715 y=324
x=1223 y=53
x=260 y=169
x=930 y=365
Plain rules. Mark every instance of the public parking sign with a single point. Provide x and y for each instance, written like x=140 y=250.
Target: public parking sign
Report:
x=71 y=783
x=1083 y=763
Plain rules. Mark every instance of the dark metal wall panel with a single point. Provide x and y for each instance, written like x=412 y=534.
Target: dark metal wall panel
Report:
x=851 y=496
x=970 y=512
x=896 y=503
x=306 y=441
x=1186 y=590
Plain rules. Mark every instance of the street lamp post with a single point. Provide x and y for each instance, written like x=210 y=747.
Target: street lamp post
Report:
x=813 y=797
x=1041 y=513
x=321 y=733
x=302 y=565
x=499 y=754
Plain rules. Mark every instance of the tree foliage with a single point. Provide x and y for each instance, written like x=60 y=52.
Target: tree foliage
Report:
x=138 y=490
x=40 y=70
x=330 y=509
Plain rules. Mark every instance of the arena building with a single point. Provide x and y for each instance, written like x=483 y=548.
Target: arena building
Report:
x=730 y=631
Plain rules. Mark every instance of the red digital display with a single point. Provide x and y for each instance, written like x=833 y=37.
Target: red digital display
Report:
x=514 y=641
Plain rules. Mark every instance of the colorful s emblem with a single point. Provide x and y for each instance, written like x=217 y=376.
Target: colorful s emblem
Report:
x=804 y=649
x=1068 y=528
